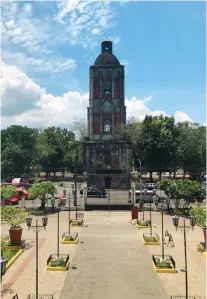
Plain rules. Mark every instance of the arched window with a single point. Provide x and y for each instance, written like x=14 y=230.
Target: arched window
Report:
x=107 y=107
x=107 y=125
x=107 y=87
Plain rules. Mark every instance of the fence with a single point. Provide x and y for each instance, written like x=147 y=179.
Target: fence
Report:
x=189 y=297
x=40 y=296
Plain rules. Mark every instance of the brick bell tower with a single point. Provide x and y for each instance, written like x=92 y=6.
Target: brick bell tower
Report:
x=106 y=153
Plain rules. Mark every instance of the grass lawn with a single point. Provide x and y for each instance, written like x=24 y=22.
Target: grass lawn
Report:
x=8 y=253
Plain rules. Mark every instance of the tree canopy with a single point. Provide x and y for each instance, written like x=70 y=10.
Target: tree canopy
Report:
x=41 y=191
x=186 y=190
x=161 y=144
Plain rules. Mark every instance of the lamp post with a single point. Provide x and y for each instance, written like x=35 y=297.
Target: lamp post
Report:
x=184 y=228
x=69 y=214
x=162 y=209
x=75 y=181
x=140 y=179
x=36 y=228
x=85 y=175
x=3 y=261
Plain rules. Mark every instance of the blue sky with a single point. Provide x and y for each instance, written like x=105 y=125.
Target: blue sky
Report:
x=161 y=44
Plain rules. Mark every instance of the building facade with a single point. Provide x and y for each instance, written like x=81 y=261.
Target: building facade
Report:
x=107 y=154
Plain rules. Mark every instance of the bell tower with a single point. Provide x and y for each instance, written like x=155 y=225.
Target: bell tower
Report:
x=106 y=113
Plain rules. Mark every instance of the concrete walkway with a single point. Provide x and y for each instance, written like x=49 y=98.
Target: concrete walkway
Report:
x=111 y=262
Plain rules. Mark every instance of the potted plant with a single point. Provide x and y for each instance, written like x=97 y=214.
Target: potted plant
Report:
x=14 y=217
x=200 y=216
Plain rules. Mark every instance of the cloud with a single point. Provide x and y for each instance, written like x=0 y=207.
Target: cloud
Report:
x=86 y=21
x=19 y=28
x=26 y=103
x=18 y=92
x=28 y=9
x=45 y=64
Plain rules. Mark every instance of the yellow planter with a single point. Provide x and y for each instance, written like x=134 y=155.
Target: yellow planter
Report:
x=202 y=247
x=59 y=268
x=158 y=270
x=70 y=242
x=76 y=225
x=155 y=235
x=150 y=243
x=15 y=257
x=164 y=270
x=15 y=247
x=143 y=226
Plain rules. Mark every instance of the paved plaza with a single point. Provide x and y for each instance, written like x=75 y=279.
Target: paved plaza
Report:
x=109 y=261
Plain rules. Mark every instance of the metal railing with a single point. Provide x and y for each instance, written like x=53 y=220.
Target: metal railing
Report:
x=184 y=297
x=40 y=296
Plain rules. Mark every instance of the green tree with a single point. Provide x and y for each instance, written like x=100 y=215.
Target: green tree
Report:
x=17 y=149
x=192 y=148
x=154 y=142
x=52 y=146
x=41 y=191
x=200 y=215
x=8 y=191
x=186 y=190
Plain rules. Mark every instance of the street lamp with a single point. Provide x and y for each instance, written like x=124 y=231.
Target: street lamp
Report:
x=36 y=228
x=75 y=181
x=140 y=177
x=184 y=228
x=162 y=209
x=3 y=261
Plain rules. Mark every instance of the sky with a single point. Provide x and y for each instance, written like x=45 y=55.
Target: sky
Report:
x=48 y=47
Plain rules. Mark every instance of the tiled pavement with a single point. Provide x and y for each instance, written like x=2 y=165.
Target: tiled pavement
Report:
x=112 y=261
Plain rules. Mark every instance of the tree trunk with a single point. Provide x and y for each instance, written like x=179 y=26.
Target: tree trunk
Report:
x=174 y=174
x=184 y=173
x=160 y=176
x=150 y=176
x=170 y=172
x=43 y=202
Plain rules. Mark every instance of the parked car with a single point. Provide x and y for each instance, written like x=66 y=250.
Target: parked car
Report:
x=95 y=192
x=14 y=200
x=151 y=186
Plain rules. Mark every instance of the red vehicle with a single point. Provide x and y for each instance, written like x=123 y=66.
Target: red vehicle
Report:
x=20 y=193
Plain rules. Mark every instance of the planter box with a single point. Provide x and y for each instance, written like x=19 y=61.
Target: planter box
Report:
x=164 y=267
x=78 y=223
x=15 y=253
x=143 y=224
x=61 y=264
x=202 y=246
x=13 y=246
x=69 y=239
x=151 y=240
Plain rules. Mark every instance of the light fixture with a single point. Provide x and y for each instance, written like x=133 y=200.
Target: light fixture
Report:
x=192 y=221
x=3 y=261
x=44 y=221
x=29 y=220
x=175 y=221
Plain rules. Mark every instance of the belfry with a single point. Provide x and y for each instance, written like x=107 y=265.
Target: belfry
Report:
x=107 y=154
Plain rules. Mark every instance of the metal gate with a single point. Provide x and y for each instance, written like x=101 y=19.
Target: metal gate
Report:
x=108 y=191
